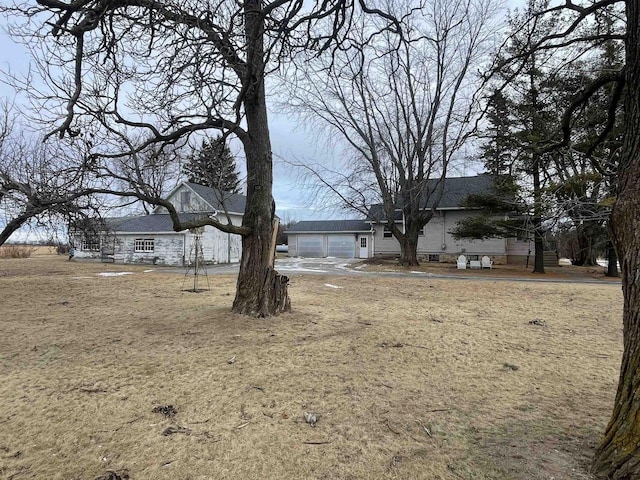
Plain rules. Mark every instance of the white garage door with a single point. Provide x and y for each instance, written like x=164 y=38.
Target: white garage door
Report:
x=310 y=246
x=341 y=246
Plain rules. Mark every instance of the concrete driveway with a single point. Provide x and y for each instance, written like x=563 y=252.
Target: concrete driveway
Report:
x=343 y=266
x=290 y=265
x=321 y=266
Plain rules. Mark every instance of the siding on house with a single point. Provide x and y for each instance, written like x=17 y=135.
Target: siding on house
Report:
x=168 y=249
x=438 y=240
x=519 y=250
x=217 y=246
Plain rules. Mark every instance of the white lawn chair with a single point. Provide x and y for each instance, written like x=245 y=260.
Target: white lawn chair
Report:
x=462 y=262
x=486 y=262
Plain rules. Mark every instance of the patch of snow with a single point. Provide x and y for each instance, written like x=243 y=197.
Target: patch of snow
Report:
x=300 y=269
x=147 y=271
x=114 y=274
x=345 y=266
x=419 y=273
x=605 y=263
x=331 y=286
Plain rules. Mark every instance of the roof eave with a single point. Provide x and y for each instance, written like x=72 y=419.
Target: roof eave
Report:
x=328 y=231
x=166 y=232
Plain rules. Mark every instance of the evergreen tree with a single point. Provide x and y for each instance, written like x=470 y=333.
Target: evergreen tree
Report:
x=213 y=165
x=521 y=120
x=500 y=145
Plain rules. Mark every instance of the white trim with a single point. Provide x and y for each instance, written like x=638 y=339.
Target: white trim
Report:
x=340 y=232
x=168 y=232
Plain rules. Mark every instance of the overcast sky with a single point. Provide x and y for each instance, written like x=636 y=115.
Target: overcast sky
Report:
x=289 y=140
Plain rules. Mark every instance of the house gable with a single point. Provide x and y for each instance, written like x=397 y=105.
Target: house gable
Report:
x=191 y=197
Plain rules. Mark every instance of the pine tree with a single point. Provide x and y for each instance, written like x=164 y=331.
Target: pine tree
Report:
x=520 y=120
x=500 y=145
x=213 y=165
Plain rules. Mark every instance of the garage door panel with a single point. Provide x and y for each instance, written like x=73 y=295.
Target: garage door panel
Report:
x=341 y=246
x=310 y=246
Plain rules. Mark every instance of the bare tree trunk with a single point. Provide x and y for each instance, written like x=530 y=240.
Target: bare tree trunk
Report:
x=538 y=262
x=261 y=290
x=409 y=252
x=583 y=247
x=618 y=455
x=590 y=234
x=612 y=260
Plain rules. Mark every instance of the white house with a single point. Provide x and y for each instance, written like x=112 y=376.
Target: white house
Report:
x=369 y=238
x=151 y=238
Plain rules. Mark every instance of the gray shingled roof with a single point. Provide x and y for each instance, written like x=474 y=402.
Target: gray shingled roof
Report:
x=330 y=226
x=456 y=190
x=233 y=202
x=155 y=222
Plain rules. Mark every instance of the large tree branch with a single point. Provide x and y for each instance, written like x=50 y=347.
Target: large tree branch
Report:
x=581 y=99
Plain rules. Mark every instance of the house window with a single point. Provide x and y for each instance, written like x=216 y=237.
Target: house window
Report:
x=143 y=245
x=434 y=258
x=363 y=242
x=387 y=233
x=421 y=231
x=473 y=258
x=91 y=244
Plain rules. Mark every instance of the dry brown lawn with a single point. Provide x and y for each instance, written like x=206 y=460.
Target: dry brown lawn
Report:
x=409 y=377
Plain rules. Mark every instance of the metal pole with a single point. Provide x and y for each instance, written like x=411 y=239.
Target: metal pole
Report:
x=195 y=274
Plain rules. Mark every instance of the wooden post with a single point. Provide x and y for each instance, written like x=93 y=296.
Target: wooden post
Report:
x=274 y=240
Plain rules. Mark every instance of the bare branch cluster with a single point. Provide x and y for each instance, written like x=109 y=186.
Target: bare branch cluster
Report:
x=402 y=108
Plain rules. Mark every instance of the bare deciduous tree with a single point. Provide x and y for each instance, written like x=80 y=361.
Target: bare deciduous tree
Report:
x=41 y=184
x=404 y=113
x=171 y=69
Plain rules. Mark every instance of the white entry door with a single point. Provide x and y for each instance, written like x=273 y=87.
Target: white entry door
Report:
x=364 y=247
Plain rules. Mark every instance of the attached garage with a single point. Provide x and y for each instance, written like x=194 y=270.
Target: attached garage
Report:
x=330 y=238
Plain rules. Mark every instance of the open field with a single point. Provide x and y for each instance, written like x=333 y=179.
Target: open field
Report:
x=410 y=378
x=25 y=251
